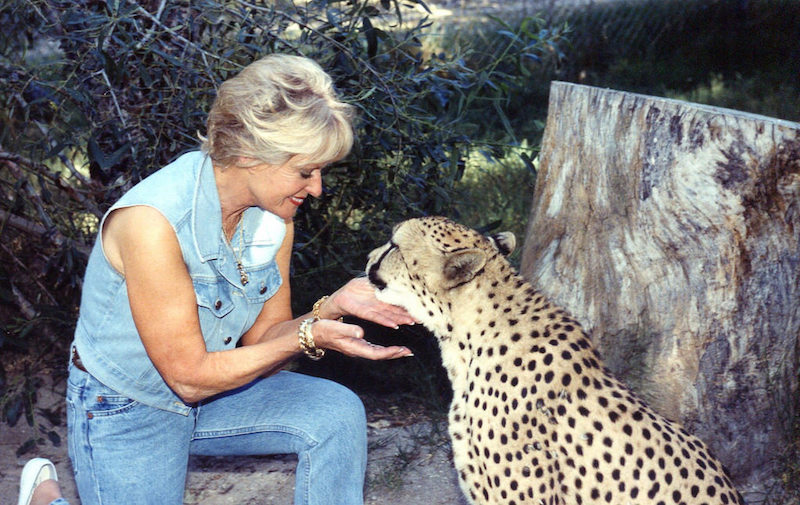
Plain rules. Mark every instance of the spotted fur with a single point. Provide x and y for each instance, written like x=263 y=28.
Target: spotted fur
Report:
x=536 y=418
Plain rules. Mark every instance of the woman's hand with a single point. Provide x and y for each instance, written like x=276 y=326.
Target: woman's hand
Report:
x=357 y=298
x=348 y=339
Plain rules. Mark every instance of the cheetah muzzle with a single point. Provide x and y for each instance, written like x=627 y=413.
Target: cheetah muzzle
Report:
x=535 y=418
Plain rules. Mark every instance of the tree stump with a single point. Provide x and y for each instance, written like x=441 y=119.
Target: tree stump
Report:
x=670 y=230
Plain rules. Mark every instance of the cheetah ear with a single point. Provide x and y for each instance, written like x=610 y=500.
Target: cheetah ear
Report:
x=461 y=266
x=505 y=242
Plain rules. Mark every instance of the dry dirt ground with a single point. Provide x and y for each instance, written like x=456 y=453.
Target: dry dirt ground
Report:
x=408 y=465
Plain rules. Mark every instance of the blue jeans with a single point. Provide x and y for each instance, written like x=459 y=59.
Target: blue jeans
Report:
x=125 y=452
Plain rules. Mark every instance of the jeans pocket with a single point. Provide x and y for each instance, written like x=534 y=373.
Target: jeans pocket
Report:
x=110 y=405
x=99 y=400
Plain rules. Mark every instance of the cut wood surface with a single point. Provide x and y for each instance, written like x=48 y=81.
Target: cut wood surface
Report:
x=670 y=230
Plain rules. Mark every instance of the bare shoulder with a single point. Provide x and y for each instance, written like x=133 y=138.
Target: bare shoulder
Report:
x=141 y=227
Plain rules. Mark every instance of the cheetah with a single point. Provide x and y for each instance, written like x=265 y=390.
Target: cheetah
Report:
x=535 y=418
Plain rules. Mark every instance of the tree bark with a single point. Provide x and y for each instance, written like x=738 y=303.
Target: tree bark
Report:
x=670 y=230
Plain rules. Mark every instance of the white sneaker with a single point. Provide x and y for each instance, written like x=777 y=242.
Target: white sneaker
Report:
x=34 y=473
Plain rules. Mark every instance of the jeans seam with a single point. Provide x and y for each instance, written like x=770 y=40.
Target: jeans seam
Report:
x=86 y=438
x=306 y=477
x=249 y=430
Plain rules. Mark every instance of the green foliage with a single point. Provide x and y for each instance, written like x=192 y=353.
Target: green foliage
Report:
x=520 y=109
x=497 y=192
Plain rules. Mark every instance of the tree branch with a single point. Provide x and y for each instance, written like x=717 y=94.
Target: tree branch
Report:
x=13 y=161
x=184 y=40
x=51 y=234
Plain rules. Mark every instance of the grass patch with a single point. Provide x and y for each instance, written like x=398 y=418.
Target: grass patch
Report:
x=495 y=194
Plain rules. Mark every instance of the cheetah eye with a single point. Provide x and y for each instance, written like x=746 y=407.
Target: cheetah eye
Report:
x=390 y=249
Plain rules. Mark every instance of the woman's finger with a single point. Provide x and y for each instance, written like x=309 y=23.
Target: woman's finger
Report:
x=357 y=298
x=364 y=349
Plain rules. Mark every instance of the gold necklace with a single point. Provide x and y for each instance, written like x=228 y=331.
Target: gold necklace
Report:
x=238 y=256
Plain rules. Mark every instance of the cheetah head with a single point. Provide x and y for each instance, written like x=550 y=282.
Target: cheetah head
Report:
x=430 y=265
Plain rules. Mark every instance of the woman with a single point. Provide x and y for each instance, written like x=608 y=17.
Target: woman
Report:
x=185 y=317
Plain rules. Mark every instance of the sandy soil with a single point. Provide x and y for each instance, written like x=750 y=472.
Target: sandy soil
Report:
x=408 y=465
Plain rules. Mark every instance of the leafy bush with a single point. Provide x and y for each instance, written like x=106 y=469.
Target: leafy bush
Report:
x=497 y=192
x=97 y=94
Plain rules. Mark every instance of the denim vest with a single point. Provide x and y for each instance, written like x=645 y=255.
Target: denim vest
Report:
x=185 y=193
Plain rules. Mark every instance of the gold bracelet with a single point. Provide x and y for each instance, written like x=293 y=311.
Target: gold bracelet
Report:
x=306 y=340
x=317 y=305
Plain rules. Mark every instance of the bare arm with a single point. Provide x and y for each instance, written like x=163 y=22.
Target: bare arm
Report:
x=142 y=245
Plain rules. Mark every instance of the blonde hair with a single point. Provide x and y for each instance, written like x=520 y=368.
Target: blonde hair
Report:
x=278 y=107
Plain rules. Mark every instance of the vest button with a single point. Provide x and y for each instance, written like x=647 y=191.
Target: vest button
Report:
x=263 y=290
x=218 y=305
x=227 y=341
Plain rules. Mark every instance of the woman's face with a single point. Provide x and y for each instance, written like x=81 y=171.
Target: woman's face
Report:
x=283 y=189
